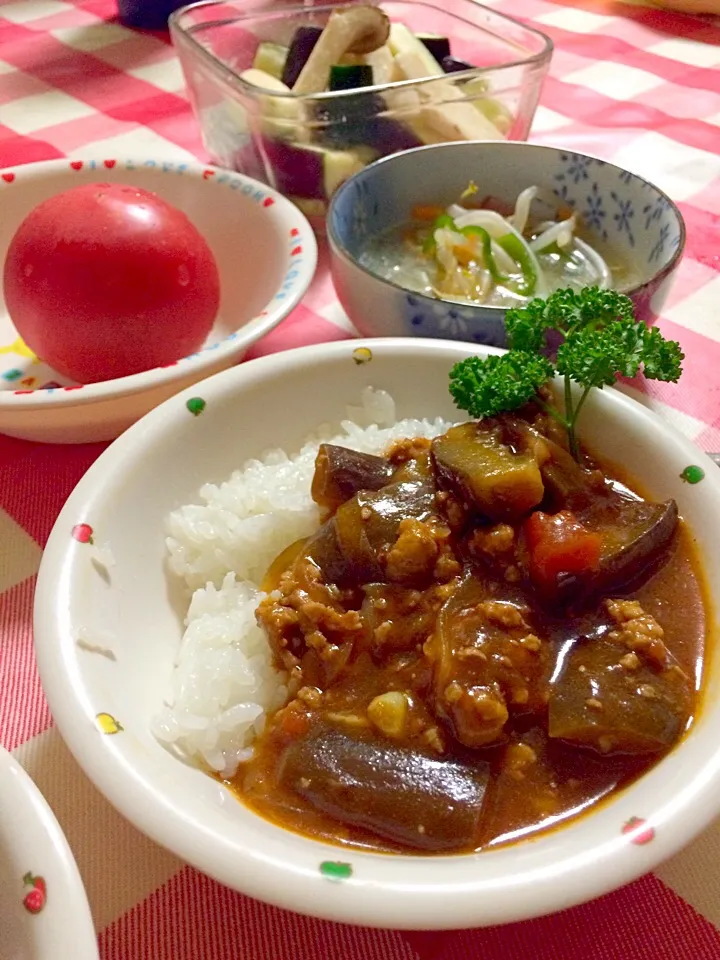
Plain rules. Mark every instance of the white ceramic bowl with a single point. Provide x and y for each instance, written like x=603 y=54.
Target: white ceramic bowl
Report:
x=266 y=256
x=44 y=913
x=161 y=463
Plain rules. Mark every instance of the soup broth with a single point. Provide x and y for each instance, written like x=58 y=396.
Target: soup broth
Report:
x=397 y=255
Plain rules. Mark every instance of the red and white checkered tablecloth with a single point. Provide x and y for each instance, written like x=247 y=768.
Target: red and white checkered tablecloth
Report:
x=632 y=84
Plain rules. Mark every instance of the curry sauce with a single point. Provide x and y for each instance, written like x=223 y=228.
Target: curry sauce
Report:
x=484 y=639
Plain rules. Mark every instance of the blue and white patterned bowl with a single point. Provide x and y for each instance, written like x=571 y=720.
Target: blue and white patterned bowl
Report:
x=623 y=209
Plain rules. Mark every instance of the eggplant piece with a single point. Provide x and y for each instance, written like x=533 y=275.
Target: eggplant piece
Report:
x=362 y=563
x=635 y=533
x=438 y=46
x=282 y=562
x=639 y=537
x=404 y=796
x=360 y=120
x=385 y=510
x=601 y=699
x=636 y=536
x=367 y=525
x=340 y=473
x=344 y=122
x=306 y=621
x=499 y=482
x=568 y=485
x=454 y=65
x=301 y=46
x=487 y=662
x=416 y=468
x=389 y=136
x=324 y=550
x=308 y=171
x=348 y=547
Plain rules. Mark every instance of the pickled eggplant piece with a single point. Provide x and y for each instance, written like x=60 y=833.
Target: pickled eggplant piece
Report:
x=608 y=698
x=438 y=46
x=302 y=45
x=404 y=796
x=452 y=64
x=340 y=473
x=345 y=122
x=501 y=483
x=310 y=171
x=387 y=136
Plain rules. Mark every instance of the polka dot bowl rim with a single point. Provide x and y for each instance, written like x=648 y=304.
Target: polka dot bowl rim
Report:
x=298 y=273
x=122 y=503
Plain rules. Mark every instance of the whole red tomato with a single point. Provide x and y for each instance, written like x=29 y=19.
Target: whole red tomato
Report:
x=106 y=280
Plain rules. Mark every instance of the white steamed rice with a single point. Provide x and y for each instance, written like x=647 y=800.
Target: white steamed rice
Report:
x=224 y=683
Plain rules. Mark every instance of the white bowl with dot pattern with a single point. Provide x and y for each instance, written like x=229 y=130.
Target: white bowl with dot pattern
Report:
x=104 y=705
x=622 y=209
x=44 y=910
x=266 y=256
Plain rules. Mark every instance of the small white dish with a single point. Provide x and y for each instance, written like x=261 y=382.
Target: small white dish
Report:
x=104 y=700
x=266 y=256
x=44 y=913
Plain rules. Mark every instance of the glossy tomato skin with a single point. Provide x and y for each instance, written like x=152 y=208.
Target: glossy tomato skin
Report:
x=107 y=280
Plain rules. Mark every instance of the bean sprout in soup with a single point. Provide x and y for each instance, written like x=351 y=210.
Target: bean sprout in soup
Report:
x=491 y=253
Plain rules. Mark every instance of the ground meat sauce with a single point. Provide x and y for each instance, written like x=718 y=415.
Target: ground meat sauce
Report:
x=484 y=638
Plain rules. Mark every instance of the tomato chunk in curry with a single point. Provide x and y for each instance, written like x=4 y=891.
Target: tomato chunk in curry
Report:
x=483 y=639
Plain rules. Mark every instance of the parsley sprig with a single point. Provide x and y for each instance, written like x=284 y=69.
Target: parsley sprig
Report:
x=601 y=341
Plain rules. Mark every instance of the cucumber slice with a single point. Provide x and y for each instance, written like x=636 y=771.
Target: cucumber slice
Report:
x=344 y=121
x=301 y=46
x=340 y=165
x=350 y=77
x=271 y=57
x=282 y=107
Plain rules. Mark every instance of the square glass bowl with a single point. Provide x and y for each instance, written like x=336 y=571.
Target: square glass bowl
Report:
x=306 y=146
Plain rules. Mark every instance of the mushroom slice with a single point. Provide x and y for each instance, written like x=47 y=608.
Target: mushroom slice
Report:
x=358 y=29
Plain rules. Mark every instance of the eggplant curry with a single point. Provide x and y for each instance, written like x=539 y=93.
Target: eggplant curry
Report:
x=484 y=638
